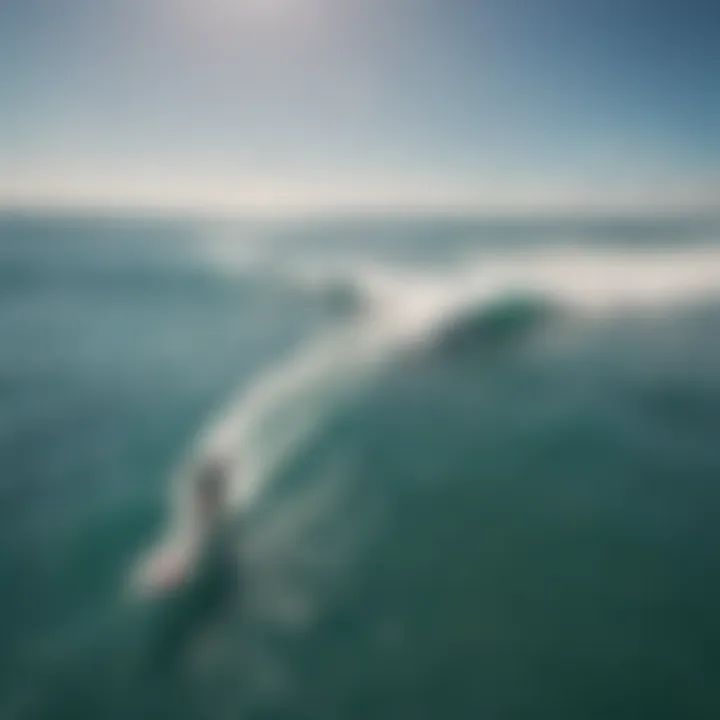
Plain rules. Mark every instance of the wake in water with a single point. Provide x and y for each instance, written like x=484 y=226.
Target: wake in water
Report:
x=395 y=311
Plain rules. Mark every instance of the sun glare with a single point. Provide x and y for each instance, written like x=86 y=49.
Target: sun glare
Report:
x=239 y=10
x=217 y=19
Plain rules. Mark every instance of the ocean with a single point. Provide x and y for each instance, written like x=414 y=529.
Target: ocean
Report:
x=474 y=467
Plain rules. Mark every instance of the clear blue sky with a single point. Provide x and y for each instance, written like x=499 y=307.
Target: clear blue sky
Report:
x=488 y=103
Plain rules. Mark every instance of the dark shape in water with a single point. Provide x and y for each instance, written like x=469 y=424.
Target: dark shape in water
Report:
x=504 y=322
x=212 y=586
x=210 y=493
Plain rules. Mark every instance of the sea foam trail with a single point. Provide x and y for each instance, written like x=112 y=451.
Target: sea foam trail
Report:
x=265 y=423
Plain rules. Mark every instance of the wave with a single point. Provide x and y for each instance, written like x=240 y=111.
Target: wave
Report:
x=399 y=310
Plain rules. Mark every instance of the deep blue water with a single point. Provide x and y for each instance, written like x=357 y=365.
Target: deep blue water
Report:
x=483 y=458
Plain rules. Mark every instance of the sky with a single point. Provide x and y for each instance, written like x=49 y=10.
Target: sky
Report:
x=257 y=104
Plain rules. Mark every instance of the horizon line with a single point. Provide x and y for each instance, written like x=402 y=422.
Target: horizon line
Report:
x=409 y=209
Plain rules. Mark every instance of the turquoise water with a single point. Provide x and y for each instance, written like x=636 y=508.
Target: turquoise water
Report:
x=475 y=467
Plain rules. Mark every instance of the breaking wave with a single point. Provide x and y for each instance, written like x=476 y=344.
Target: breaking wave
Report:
x=396 y=310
